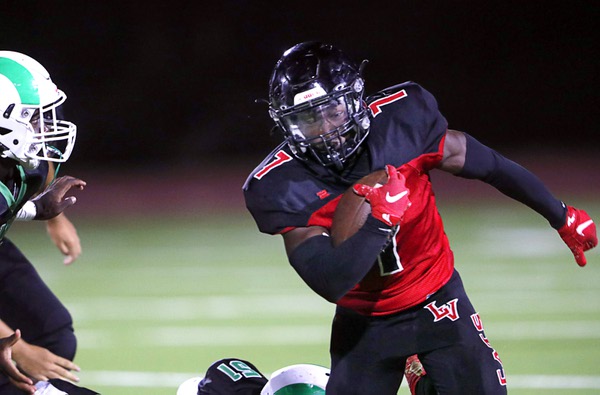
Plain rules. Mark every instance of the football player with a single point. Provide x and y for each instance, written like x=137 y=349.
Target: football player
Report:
x=21 y=381
x=394 y=282
x=230 y=376
x=24 y=383
x=226 y=376
x=31 y=137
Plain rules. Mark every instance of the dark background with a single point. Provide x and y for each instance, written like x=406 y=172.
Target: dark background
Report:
x=168 y=84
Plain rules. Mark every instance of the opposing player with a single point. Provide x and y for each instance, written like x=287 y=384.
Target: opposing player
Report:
x=20 y=381
x=237 y=376
x=226 y=376
x=31 y=136
x=394 y=282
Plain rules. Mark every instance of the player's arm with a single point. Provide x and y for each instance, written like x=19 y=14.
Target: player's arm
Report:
x=61 y=230
x=466 y=157
x=332 y=271
x=7 y=366
x=38 y=362
x=52 y=201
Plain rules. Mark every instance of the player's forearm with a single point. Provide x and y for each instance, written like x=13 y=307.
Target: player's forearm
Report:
x=5 y=330
x=513 y=180
x=332 y=272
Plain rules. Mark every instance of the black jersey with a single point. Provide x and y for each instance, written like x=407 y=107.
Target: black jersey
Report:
x=232 y=376
x=17 y=189
x=407 y=131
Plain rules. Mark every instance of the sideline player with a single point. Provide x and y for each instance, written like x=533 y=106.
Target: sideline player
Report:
x=394 y=282
x=32 y=136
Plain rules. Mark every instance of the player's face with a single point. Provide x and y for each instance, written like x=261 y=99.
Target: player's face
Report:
x=37 y=123
x=38 y=126
x=319 y=120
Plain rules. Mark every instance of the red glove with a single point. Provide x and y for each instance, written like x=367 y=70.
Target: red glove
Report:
x=579 y=233
x=388 y=202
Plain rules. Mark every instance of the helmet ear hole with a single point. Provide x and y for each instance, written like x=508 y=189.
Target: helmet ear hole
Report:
x=8 y=111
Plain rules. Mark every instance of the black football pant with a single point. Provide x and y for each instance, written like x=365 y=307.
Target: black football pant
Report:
x=26 y=303
x=368 y=354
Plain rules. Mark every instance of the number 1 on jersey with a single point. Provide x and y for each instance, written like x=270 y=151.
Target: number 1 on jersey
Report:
x=375 y=107
x=388 y=259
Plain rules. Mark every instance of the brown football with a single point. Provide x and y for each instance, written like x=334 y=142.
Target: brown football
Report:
x=352 y=210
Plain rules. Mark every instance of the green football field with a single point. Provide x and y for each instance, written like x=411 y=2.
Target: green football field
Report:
x=156 y=300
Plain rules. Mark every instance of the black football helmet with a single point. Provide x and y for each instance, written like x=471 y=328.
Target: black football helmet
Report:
x=315 y=98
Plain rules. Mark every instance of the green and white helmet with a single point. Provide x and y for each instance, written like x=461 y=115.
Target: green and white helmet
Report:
x=29 y=128
x=301 y=379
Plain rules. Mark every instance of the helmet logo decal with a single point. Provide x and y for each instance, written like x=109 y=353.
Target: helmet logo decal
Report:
x=308 y=95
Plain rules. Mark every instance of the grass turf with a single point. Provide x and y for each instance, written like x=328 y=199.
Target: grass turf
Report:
x=156 y=300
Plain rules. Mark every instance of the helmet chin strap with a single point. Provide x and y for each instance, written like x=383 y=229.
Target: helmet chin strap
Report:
x=337 y=162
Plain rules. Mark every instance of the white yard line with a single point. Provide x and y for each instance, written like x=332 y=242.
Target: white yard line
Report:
x=172 y=380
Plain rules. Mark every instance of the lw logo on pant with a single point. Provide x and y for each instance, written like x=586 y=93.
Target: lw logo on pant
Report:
x=447 y=310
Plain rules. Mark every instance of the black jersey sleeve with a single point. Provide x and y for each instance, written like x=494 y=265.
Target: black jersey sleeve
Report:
x=16 y=191
x=332 y=272
x=281 y=195
x=513 y=180
x=406 y=123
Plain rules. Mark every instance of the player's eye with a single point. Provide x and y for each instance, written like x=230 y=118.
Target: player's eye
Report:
x=35 y=121
x=309 y=118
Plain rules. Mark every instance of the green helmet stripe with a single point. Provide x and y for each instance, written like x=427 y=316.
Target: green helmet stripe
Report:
x=22 y=79
x=300 y=389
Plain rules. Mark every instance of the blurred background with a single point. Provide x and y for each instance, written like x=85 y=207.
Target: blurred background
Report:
x=174 y=273
x=157 y=83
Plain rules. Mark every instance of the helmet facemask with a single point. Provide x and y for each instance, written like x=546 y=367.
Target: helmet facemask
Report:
x=328 y=128
x=54 y=138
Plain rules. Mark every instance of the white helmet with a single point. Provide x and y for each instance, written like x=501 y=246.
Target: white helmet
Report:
x=29 y=128
x=302 y=379
x=189 y=386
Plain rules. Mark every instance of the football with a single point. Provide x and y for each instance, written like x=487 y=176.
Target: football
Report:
x=352 y=210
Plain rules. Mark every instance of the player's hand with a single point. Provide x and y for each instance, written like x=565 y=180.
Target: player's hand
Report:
x=7 y=366
x=64 y=236
x=41 y=364
x=579 y=233
x=52 y=201
x=389 y=201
